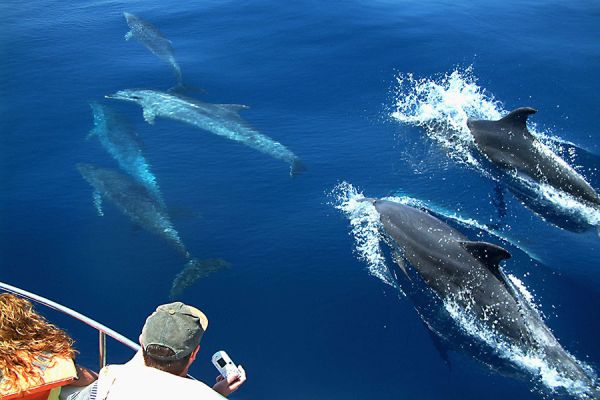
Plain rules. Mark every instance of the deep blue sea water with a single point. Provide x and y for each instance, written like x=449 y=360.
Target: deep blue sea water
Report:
x=297 y=307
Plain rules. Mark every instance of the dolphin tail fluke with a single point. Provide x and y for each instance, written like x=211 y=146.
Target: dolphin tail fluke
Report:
x=182 y=89
x=193 y=270
x=179 y=88
x=297 y=167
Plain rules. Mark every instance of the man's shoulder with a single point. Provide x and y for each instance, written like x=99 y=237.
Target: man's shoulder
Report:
x=150 y=382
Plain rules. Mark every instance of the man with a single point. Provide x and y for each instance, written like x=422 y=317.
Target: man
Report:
x=170 y=341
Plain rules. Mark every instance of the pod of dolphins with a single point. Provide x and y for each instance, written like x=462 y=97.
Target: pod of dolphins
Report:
x=444 y=268
x=457 y=285
x=135 y=191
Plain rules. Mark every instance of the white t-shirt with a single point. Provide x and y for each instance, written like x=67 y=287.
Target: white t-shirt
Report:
x=134 y=380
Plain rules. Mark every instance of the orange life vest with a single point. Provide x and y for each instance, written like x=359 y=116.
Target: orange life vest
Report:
x=55 y=372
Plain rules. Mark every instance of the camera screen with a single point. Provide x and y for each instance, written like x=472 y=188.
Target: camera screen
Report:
x=221 y=362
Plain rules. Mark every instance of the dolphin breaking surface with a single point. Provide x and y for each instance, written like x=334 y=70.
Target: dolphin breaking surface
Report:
x=578 y=379
x=442 y=105
x=148 y=35
x=508 y=144
x=221 y=119
x=121 y=142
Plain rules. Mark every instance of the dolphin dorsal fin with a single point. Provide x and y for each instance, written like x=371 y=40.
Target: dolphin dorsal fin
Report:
x=489 y=254
x=518 y=118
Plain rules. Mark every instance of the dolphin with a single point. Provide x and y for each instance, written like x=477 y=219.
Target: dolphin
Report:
x=467 y=275
x=121 y=142
x=220 y=119
x=134 y=200
x=154 y=41
x=509 y=145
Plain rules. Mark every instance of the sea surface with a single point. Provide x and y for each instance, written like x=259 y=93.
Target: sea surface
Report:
x=373 y=97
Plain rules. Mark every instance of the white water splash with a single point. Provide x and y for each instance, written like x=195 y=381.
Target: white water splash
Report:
x=566 y=203
x=364 y=220
x=532 y=361
x=522 y=290
x=442 y=105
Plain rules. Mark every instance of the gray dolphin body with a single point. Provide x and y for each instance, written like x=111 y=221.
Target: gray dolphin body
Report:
x=134 y=200
x=509 y=145
x=153 y=40
x=467 y=274
x=121 y=142
x=220 y=119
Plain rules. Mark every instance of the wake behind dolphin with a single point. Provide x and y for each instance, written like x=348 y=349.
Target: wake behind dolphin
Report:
x=121 y=142
x=154 y=41
x=220 y=119
x=451 y=278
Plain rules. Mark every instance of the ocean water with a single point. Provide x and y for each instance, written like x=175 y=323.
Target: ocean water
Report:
x=375 y=94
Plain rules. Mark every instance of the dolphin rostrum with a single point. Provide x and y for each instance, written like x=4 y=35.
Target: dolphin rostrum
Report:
x=154 y=41
x=510 y=146
x=220 y=119
x=466 y=275
x=121 y=142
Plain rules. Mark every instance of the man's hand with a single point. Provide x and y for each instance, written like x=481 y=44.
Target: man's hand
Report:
x=227 y=386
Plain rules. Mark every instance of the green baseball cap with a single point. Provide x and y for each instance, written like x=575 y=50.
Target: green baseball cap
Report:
x=176 y=326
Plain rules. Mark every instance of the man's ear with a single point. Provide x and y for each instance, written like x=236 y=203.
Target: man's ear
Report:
x=140 y=340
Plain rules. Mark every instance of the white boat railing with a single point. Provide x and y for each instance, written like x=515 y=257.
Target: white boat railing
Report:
x=103 y=330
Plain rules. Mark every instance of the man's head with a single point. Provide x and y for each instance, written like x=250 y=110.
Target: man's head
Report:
x=171 y=337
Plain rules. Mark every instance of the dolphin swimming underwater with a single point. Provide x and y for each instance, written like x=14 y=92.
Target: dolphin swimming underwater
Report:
x=509 y=145
x=134 y=200
x=220 y=119
x=465 y=276
x=154 y=41
x=121 y=142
